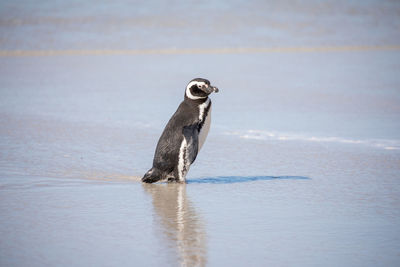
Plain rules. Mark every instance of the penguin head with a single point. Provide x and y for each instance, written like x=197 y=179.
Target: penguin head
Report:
x=199 y=88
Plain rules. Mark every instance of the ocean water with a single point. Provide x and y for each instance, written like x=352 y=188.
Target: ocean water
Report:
x=301 y=166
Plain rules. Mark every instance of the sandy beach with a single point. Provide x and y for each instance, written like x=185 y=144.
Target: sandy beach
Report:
x=301 y=166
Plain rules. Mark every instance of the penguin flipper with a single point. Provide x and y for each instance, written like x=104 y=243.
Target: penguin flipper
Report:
x=191 y=134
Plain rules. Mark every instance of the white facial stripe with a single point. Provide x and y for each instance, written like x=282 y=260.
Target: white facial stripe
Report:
x=189 y=94
x=196 y=83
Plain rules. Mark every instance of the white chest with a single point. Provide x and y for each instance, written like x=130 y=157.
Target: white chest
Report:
x=207 y=122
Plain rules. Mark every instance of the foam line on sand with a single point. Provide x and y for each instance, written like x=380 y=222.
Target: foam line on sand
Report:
x=277 y=136
x=176 y=51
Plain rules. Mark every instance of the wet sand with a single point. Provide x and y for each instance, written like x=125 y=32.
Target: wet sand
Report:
x=301 y=165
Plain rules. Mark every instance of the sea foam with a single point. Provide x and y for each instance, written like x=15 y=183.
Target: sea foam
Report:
x=387 y=144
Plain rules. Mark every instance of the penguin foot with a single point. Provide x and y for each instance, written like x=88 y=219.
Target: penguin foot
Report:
x=173 y=179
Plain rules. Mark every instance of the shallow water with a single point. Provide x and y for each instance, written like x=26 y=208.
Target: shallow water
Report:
x=301 y=166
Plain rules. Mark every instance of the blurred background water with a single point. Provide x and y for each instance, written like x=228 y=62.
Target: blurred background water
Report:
x=301 y=166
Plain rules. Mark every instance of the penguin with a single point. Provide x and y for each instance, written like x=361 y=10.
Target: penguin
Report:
x=184 y=135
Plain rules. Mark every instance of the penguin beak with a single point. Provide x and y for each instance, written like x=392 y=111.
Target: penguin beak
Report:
x=211 y=89
x=214 y=89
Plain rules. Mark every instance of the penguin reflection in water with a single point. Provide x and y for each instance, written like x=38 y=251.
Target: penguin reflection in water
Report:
x=184 y=135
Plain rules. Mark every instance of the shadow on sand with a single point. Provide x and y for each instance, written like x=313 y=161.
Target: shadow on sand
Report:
x=242 y=179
